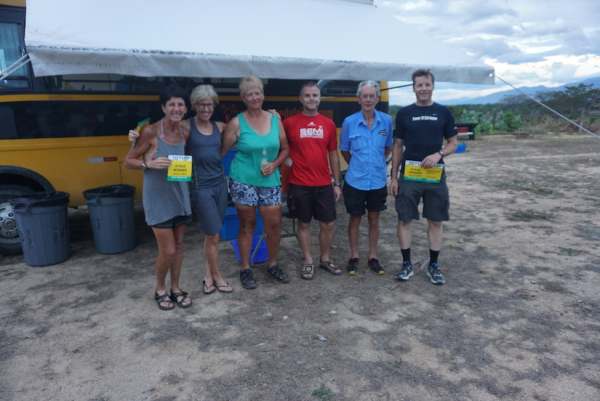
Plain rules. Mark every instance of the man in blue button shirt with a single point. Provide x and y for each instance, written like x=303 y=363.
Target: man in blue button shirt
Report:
x=365 y=143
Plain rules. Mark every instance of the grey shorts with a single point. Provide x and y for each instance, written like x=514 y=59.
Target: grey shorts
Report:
x=250 y=195
x=209 y=205
x=436 y=200
x=174 y=222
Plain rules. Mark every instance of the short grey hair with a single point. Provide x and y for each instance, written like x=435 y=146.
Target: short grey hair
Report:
x=249 y=82
x=374 y=84
x=204 y=92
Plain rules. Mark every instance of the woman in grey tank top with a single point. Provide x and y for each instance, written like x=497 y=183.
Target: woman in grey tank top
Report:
x=166 y=203
x=209 y=187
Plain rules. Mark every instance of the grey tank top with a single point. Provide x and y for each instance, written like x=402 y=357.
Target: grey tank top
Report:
x=164 y=200
x=206 y=155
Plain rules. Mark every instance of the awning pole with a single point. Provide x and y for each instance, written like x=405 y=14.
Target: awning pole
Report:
x=20 y=62
x=549 y=108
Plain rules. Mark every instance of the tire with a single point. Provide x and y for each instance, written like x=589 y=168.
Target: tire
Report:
x=9 y=237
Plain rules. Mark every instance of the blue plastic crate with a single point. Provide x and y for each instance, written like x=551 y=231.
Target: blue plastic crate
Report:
x=227 y=159
x=461 y=147
x=231 y=225
x=258 y=249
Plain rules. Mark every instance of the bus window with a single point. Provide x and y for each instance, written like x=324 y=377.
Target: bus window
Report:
x=11 y=48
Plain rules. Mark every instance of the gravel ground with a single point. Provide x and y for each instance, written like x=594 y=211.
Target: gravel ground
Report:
x=519 y=317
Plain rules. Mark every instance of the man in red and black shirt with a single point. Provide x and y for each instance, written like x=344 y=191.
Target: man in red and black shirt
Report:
x=312 y=140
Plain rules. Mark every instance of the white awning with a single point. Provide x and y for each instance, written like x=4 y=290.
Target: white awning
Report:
x=293 y=39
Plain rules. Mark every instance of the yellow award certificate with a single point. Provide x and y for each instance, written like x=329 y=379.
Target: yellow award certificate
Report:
x=180 y=168
x=413 y=171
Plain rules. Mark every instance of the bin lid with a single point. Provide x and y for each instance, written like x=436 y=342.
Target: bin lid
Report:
x=109 y=191
x=40 y=199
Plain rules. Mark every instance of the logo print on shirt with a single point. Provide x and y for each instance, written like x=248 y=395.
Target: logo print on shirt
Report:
x=425 y=118
x=312 y=132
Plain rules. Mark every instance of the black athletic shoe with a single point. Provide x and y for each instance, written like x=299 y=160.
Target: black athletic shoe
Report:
x=247 y=279
x=435 y=275
x=352 y=266
x=375 y=266
x=406 y=272
x=278 y=274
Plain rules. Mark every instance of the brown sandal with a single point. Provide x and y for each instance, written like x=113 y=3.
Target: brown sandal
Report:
x=330 y=267
x=163 y=301
x=180 y=299
x=307 y=271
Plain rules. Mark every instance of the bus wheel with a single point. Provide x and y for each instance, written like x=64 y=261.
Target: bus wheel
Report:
x=9 y=236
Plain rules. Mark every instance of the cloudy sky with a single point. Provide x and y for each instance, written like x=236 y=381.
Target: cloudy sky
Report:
x=528 y=42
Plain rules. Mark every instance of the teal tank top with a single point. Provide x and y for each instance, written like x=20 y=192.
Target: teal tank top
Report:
x=252 y=149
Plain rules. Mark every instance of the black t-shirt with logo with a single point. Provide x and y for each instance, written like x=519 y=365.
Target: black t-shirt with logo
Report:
x=422 y=129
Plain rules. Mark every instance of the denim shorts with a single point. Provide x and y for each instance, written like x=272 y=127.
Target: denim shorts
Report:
x=251 y=195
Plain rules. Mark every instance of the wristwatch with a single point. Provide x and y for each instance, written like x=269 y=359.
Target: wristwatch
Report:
x=441 y=152
x=144 y=167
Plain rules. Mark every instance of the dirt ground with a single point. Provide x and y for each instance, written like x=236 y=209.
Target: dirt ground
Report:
x=519 y=317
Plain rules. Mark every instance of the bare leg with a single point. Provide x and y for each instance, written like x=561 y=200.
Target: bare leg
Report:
x=212 y=262
x=165 y=241
x=434 y=233
x=247 y=216
x=178 y=233
x=304 y=241
x=353 y=226
x=404 y=234
x=272 y=218
x=326 y=231
x=373 y=233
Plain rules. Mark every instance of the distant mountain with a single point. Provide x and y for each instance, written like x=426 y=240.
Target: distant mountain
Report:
x=530 y=90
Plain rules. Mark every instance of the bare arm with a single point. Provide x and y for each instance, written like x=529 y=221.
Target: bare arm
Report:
x=397 y=155
x=230 y=135
x=269 y=168
x=134 y=158
x=451 y=145
x=283 y=145
x=347 y=156
x=448 y=149
x=334 y=165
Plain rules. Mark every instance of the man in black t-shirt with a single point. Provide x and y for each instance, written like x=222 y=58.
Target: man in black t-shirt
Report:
x=419 y=150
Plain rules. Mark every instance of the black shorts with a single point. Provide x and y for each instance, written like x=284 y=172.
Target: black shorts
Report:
x=304 y=203
x=357 y=200
x=174 y=222
x=436 y=200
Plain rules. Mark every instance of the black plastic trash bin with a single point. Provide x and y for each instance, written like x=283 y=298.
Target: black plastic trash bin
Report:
x=112 y=217
x=42 y=221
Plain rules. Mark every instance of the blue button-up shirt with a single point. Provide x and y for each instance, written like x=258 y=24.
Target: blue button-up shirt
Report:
x=367 y=169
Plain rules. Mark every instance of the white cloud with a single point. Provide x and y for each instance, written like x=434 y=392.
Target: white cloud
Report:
x=529 y=43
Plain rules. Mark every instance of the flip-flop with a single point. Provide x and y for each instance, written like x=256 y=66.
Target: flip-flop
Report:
x=208 y=289
x=227 y=288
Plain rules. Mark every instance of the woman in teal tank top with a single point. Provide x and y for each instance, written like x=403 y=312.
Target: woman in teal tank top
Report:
x=254 y=178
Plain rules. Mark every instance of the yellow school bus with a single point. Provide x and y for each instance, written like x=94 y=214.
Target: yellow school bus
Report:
x=69 y=133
